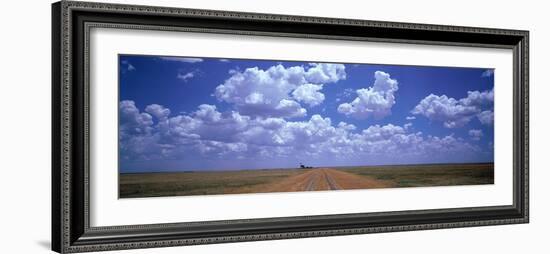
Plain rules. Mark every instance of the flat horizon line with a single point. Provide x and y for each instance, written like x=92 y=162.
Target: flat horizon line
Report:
x=233 y=170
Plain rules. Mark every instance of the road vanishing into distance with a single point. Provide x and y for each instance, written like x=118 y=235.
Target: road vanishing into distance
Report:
x=302 y=180
x=325 y=179
x=320 y=177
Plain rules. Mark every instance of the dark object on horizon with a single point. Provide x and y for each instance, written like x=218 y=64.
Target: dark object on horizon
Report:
x=303 y=166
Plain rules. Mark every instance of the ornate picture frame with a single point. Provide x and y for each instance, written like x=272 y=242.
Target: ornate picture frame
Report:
x=71 y=228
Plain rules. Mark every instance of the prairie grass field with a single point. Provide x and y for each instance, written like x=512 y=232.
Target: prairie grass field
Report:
x=134 y=185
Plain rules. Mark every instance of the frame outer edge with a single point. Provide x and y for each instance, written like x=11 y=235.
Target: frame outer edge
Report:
x=178 y=11
x=526 y=119
x=65 y=106
x=56 y=124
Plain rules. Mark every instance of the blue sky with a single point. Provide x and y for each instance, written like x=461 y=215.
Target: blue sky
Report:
x=188 y=113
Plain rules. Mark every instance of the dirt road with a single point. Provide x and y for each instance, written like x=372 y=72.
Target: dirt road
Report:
x=296 y=180
x=324 y=179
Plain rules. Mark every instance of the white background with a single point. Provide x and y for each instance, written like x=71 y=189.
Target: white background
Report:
x=25 y=128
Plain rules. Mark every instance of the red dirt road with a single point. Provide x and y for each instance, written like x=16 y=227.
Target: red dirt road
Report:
x=324 y=179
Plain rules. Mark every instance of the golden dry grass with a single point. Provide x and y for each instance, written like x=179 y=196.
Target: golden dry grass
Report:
x=292 y=180
x=198 y=183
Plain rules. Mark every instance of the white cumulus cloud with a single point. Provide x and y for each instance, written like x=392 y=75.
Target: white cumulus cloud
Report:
x=277 y=91
x=223 y=135
x=132 y=120
x=447 y=110
x=486 y=117
x=452 y=112
x=158 y=111
x=477 y=98
x=309 y=94
x=375 y=101
x=321 y=73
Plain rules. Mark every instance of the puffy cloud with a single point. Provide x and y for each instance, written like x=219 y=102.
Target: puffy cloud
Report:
x=410 y=117
x=276 y=132
x=377 y=132
x=210 y=147
x=309 y=94
x=210 y=124
x=475 y=134
x=375 y=101
x=449 y=145
x=135 y=132
x=452 y=112
x=228 y=135
x=275 y=92
x=317 y=129
x=182 y=59
x=321 y=73
x=476 y=98
x=131 y=120
x=259 y=92
x=395 y=143
x=179 y=130
x=157 y=111
x=208 y=113
x=346 y=126
x=486 y=117
x=287 y=108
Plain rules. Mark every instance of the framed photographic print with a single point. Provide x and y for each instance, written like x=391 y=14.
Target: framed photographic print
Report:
x=181 y=126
